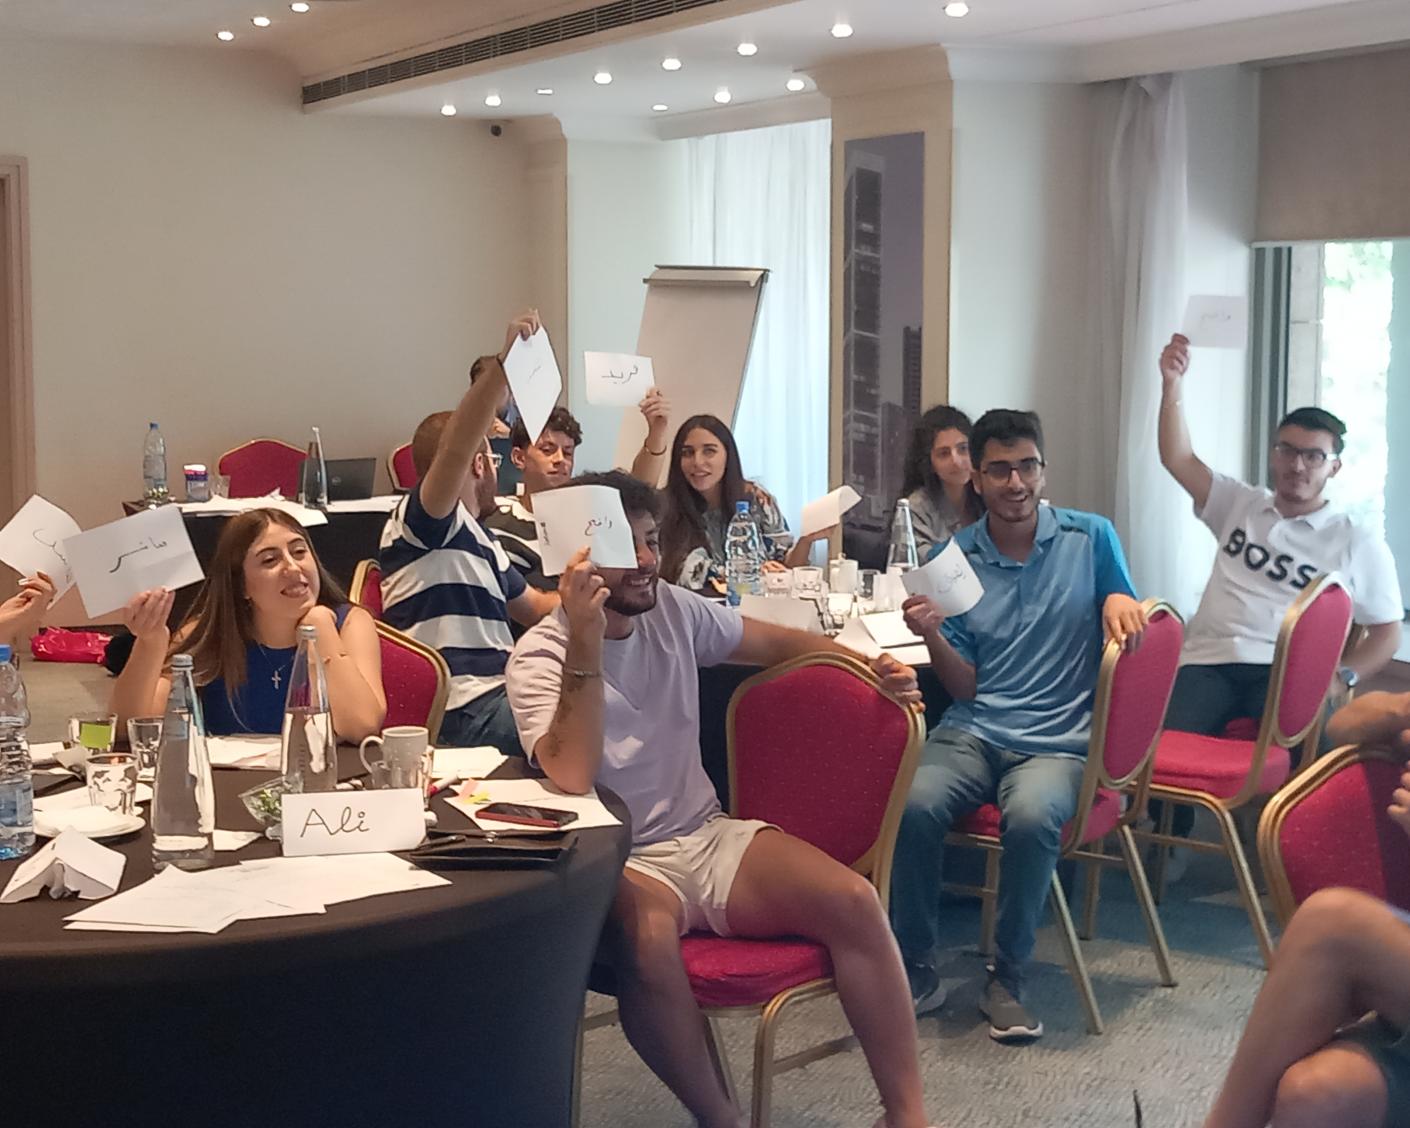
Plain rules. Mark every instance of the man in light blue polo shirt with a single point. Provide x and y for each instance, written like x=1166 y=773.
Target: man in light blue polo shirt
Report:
x=1021 y=666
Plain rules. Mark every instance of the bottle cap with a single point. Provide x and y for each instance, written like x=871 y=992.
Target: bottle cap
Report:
x=741 y=507
x=5 y=652
x=151 y=426
x=308 y=631
x=181 y=661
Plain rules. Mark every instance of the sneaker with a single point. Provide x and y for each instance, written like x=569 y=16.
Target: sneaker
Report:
x=1177 y=864
x=930 y=1000
x=927 y=993
x=1008 y=1020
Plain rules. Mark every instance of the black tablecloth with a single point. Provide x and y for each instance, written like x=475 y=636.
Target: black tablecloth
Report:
x=449 y=1006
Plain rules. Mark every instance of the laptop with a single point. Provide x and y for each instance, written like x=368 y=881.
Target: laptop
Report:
x=350 y=479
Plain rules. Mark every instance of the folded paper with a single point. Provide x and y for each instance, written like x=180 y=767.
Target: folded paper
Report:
x=827 y=510
x=948 y=579
x=534 y=379
x=70 y=863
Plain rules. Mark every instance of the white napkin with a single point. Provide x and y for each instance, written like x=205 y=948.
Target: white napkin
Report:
x=78 y=797
x=71 y=863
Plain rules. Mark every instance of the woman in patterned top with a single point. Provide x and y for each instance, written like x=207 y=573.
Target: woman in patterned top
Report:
x=937 y=481
x=703 y=484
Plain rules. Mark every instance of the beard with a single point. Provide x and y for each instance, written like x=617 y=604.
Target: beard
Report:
x=633 y=600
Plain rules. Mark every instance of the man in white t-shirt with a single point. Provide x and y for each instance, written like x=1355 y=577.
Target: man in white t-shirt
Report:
x=1272 y=544
x=605 y=690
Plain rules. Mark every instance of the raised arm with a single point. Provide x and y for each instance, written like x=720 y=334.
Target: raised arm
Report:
x=956 y=673
x=352 y=663
x=20 y=614
x=1177 y=454
x=141 y=689
x=656 y=410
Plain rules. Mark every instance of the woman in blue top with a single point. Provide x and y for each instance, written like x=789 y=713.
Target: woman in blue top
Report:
x=263 y=583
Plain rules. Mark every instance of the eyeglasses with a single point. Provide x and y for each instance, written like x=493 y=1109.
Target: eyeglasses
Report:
x=1313 y=456
x=1001 y=472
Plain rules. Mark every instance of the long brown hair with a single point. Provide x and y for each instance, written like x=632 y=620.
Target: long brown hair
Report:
x=683 y=530
x=220 y=625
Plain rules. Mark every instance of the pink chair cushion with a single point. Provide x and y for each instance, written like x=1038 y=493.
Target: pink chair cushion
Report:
x=403 y=468
x=1106 y=810
x=1340 y=836
x=1314 y=652
x=371 y=594
x=1140 y=691
x=410 y=681
x=1215 y=765
x=262 y=466
x=734 y=972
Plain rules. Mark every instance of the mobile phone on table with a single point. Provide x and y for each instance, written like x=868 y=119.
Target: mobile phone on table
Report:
x=525 y=815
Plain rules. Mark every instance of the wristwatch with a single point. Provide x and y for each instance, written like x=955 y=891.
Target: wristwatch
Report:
x=1349 y=677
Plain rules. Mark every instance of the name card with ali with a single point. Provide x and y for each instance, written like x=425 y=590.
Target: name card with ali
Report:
x=352 y=822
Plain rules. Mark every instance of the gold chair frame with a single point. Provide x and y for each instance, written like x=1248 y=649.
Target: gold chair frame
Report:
x=874 y=864
x=438 y=702
x=397 y=487
x=359 y=580
x=1094 y=778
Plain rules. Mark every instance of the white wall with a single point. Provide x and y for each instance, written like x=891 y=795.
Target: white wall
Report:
x=627 y=213
x=207 y=255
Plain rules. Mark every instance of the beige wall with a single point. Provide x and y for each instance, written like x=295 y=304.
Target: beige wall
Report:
x=207 y=255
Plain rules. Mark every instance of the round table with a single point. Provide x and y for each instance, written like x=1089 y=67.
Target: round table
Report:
x=456 y=1005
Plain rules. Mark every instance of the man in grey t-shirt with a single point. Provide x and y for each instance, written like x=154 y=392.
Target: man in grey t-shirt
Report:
x=605 y=690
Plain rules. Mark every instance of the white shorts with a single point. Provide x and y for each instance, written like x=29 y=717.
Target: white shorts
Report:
x=700 y=867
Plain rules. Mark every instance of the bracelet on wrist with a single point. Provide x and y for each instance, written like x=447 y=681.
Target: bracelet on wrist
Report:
x=581 y=674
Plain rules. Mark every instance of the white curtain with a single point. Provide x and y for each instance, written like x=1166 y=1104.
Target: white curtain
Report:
x=1139 y=293
x=761 y=198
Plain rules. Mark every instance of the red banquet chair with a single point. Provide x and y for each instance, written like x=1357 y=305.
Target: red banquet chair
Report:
x=1328 y=827
x=402 y=469
x=1222 y=775
x=367 y=587
x=416 y=680
x=1133 y=691
x=836 y=777
x=262 y=466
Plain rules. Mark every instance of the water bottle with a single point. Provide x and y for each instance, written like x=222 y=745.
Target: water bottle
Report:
x=154 y=465
x=308 y=748
x=901 y=555
x=744 y=556
x=313 y=482
x=183 y=800
x=16 y=785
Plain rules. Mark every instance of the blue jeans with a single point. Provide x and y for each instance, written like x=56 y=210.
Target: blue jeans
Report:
x=486 y=720
x=1036 y=796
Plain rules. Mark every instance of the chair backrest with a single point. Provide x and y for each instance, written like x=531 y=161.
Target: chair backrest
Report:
x=1309 y=650
x=261 y=466
x=367 y=587
x=402 y=469
x=1329 y=827
x=818 y=747
x=416 y=680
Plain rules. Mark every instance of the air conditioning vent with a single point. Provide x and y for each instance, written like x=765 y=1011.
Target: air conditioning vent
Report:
x=575 y=25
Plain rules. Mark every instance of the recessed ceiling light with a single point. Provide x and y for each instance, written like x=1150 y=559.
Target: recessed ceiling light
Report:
x=748 y=49
x=841 y=30
x=447 y=110
x=298 y=6
x=957 y=9
x=795 y=84
x=493 y=100
x=225 y=36
x=544 y=90
x=671 y=63
x=602 y=78
x=722 y=96
x=260 y=21
x=660 y=107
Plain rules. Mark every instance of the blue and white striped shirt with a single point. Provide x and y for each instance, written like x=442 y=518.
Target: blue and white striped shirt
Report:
x=447 y=583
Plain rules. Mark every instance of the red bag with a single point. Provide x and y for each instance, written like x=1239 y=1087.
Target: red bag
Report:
x=55 y=644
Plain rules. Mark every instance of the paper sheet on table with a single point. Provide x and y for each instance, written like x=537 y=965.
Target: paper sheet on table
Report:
x=261 y=752
x=114 y=562
x=797 y=614
x=467 y=763
x=536 y=793
x=33 y=541
x=336 y=878
x=573 y=516
x=383 y=503
x=534 y=379
x=889 y=630
x=70 y=863
x=173 y=900
x=224 y=506
x=948 y=579
x=42 y=755
x=1215 y=322
x=827 y=510
x=617 y=379
x=78 y=797
x=229 y=840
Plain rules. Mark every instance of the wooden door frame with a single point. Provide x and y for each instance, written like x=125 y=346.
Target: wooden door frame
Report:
x=14 y=178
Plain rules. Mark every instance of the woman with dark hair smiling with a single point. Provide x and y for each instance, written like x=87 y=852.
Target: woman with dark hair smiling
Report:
x=938 y=478
x=263 y=583
x=703 y=485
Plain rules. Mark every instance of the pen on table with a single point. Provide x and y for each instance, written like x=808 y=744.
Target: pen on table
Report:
x=443 y=784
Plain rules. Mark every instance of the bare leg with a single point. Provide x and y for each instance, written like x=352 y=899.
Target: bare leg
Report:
x=785 y=887
x=659 y=1014
x=1340 y=1085
x=1344 y=954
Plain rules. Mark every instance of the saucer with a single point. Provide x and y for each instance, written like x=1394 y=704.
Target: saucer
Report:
x=97 y=823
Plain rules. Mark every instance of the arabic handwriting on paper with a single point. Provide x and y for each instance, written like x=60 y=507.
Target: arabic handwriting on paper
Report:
x=150 y=543
x=595 y=523
x=620 y=377
x=52 y=544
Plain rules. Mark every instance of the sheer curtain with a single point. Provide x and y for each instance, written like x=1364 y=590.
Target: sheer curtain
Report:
x=1139 y=291
x=762 y=198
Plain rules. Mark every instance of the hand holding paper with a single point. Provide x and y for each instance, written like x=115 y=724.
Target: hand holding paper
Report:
x=1215 y=322
x=617 y=379
x=827 y=510
x=948 y=579
x=573 y=516
x=33 y=541
x=534 y=379
x=116 y=561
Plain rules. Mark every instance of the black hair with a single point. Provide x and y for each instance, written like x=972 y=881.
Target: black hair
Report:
x=637 y=496
x=560 y=419
x=1317 y=419
x=1004 y=427
x=683 y=526
x=919 y=473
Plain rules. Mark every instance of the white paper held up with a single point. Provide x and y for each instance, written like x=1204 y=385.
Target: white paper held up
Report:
x=617 y=379
x=591 y=811
x=573 y=516
x=1215 y=322
x=33 y=541
x=948 y=579
x=534 y=379
x=71 y=863
x=114 y=562
x=827 y=510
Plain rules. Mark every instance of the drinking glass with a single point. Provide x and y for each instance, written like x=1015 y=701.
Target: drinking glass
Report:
x=144 y=736
x=807 y=582
x=866 y=590
x=112 y=781
x=220 y=485
x=778 y=584
x=840 y=605
x=93 y=732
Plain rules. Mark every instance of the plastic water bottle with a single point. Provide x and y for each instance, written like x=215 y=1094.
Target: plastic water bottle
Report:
x=154 y=465
x=183 y=799
x=16 y=784
x=308 y=747
x=744 y=556
x=313 y=482
x=901 y=555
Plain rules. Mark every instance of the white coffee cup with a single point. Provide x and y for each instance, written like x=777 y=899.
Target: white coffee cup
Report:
x=406 y=756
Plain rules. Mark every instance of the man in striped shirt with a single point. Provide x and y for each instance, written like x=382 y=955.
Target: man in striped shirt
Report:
x=446 y=582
